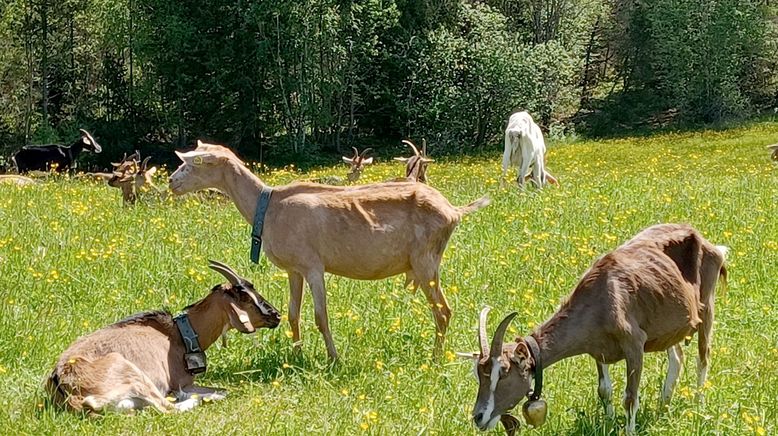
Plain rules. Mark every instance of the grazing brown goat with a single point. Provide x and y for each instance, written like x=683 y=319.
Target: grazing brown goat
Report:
x=647 y=295
x=138 y=361
x=367 y=232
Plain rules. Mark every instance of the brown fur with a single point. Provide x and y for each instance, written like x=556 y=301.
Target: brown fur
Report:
x=647 y=295
x=365 y=232
x=140 y=358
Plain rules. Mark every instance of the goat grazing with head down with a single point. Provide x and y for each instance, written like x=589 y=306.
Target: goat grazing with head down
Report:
x=44 y=157
x=416 y=165
x=367 y=232
x=138 y=361
x=647 y=295
x=525 y=148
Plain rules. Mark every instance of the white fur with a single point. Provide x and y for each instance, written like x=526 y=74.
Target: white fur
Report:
x=605 y=390
x=524 y=148
x=674 y=365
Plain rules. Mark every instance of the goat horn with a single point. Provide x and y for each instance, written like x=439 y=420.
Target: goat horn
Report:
x=482 y=338
x=499 y=334
x=356 y=152
x=409 y=143
x=145 y=164
x=364 y=152
x=424 y=147
x=226 y=271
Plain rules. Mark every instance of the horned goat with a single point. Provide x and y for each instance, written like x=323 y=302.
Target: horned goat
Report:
x=357 y=163
x=367 y=232
x=416 y=165
x=60 y=157
x=525 y=148
x=131 y=177
x=647 y=295
x=138 y=361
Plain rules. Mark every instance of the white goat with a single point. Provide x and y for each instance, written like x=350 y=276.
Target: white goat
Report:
x=136 y=362
x=525 y=148
x=648 y=295
x=367 y=232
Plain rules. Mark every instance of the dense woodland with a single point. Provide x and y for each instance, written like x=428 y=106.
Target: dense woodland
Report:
x=297 y=78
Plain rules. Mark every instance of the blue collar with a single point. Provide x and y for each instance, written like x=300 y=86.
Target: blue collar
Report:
x=259 y=222
x=194 y=358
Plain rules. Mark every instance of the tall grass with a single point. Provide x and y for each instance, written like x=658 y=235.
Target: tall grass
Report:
x=72 y=259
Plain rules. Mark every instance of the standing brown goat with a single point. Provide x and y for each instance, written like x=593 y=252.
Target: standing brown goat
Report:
x=136 y=362
x=416 y=165
x=365 y=232
x=647 y=295
x=357 y=163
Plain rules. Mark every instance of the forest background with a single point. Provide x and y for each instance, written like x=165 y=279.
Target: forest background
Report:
x=296 y=80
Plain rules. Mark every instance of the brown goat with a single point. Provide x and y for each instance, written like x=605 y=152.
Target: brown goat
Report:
x=773 y=151
x=136 y=362
x=416 y=165
x=647 y=295
x=365 y=232
x=357 y=162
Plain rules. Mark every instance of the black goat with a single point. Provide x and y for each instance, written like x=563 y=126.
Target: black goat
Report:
x=43 y=157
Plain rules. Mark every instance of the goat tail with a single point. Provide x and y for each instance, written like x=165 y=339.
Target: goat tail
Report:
x=474 y=206
x=723 y=250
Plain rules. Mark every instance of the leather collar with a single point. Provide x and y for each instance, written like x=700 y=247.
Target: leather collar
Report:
x=259 y=222
x=534 y=351
x=194 y=357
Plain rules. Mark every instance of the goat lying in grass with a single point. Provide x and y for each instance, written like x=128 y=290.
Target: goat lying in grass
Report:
x=13 y=179
x=136 y=362
x=647 y=295
x=525 y=148
x=773 y=151
x=367 y=232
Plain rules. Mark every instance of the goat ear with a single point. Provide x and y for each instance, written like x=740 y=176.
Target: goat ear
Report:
x=347 y=160
x=521 y=356
x=401 y=159
x=239 y=318
x=367 y=161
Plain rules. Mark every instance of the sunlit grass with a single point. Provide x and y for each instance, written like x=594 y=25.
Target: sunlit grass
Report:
x=72 y=259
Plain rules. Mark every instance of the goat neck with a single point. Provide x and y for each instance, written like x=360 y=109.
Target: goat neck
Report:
x=561 y=337
x=243 y=187
x=208 y=321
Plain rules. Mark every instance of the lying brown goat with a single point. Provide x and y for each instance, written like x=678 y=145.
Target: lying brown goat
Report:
x=367 y=232
x=138 y=361
x=647 y=295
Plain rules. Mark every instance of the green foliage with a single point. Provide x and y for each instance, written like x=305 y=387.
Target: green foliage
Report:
x=72 y=260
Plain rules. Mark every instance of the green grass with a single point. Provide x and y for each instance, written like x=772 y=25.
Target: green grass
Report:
x=72 y=259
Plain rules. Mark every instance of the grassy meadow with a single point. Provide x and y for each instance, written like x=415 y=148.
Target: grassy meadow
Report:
x=72 y=259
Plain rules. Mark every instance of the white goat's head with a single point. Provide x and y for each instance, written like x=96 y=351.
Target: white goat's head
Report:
x=197 y=170
x=246 y=309
x=504 y=373
x=416 y=165
x=357 y=162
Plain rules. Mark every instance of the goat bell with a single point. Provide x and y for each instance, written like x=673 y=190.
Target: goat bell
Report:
x=534 y=412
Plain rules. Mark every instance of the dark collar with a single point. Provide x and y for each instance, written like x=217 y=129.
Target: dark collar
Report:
x=194 y=358
x=534 y=351
x=259 y=222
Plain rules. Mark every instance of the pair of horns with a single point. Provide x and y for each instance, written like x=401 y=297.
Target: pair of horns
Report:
x=360 y=155
x=416 y=152
x=499 y=334
x=227 y=272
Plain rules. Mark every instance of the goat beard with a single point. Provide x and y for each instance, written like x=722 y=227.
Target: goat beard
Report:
x=511 y=424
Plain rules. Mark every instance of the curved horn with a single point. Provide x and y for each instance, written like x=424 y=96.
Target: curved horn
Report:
x=226 y=271
x=482 y=338
x=94 y=143
x=364 y=152
x=499 y=334
x=409 y=143
x=145 y=164
x=356 y=152
x=424 y=147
